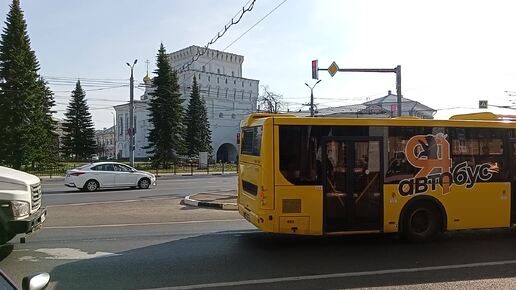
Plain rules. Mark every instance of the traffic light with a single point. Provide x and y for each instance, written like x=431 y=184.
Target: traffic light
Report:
x=315 y=73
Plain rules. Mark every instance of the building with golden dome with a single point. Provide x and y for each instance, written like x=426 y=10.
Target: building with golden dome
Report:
x=227 y=94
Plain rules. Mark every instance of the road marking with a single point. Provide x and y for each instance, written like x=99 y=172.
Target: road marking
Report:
x=341 y=275
x=145 y=224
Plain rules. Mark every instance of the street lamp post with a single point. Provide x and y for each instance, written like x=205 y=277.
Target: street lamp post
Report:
x=131 y=115
x=312 y=97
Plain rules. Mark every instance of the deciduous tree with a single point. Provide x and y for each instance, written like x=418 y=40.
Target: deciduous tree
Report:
x=269 y=101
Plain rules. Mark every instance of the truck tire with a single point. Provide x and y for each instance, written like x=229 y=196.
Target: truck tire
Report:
x=6 y=236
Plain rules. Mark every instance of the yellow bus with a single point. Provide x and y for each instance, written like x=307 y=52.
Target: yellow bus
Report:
x=416 y=177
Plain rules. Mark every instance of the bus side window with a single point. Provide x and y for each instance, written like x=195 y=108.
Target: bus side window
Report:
x=479 y=146
x=398 y=167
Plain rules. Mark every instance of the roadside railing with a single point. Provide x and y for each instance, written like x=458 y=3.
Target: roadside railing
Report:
x=179 y=168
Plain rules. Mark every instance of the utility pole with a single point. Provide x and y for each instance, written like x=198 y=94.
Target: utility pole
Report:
x=131 y=115
x=312 y=97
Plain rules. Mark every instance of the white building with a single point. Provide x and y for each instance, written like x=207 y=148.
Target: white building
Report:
x=229 y=97
x=105 y=139
x=384 y=107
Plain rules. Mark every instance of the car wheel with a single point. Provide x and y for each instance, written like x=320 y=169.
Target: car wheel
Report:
x=422 y=222
x=91 y=185
x=144 y=183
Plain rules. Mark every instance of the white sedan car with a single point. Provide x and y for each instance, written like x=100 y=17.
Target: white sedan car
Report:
x=107 y=175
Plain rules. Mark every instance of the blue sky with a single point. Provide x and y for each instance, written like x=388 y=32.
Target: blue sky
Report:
x=452 y=53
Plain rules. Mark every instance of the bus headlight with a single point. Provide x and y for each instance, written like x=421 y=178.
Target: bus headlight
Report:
x=20 y=208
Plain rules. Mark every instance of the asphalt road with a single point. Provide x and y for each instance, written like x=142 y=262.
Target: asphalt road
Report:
x=156 y=243
x=55 y=193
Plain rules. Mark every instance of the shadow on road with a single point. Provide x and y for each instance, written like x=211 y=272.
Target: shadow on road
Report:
x=236 y=256
x=5 y=250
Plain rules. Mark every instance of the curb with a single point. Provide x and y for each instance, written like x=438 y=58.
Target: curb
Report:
x=188 y=200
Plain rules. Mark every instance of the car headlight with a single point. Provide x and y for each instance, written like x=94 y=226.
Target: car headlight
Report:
x=20 y=208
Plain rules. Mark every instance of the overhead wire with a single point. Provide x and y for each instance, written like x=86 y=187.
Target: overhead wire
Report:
x=246 y=8
x=240 y=36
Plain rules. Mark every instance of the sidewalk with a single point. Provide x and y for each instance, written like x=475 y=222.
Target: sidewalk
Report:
x=226 y=200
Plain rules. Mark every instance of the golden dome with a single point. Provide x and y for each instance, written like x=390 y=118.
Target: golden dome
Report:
x=146 y=78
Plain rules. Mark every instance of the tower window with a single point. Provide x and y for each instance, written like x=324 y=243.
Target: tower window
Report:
x=221 y=115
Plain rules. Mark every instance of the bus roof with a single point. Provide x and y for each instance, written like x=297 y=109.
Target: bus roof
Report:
x=249 y=119
x=486 y=120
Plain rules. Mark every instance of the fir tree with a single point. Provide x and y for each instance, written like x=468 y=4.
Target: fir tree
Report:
x=166 y=114
x=25 y=100
x=198 y=133
x=79 y=133
x=45 y=139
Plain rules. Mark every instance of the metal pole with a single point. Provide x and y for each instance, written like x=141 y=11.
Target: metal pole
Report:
x=398 y=88
x=131 y=120
x=312 y=112
x=396 y=70
x=311 y=102
x=131 y=115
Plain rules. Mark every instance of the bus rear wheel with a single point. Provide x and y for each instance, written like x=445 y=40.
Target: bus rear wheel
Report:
x=421 y=222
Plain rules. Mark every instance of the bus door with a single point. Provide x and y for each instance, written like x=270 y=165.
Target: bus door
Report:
x=352 y=184
x=512 y=160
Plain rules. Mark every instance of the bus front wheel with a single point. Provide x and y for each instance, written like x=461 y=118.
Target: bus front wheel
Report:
x=421 y=222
